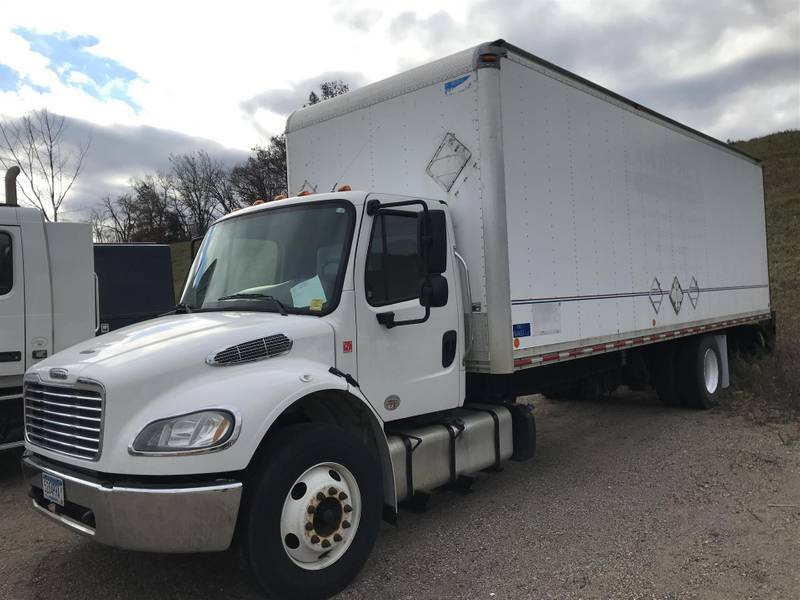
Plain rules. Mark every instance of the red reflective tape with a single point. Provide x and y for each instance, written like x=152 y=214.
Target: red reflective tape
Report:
x=599 y=348
x=573 y=353
x=549 y=357
x=519 y=362
x=637 y=340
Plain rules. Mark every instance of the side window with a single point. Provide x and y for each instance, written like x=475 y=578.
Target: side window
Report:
x=6 y=264
x=394 y=268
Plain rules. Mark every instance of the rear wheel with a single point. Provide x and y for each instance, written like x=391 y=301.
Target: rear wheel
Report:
x=701 y=373
x=313 y=513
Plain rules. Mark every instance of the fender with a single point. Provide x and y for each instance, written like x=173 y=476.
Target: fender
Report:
x=327 y=382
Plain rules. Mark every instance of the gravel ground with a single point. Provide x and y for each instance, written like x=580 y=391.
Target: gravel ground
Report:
x=625 y=499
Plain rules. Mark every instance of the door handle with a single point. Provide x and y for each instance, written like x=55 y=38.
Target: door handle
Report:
x=449 y=347
x=13 y=356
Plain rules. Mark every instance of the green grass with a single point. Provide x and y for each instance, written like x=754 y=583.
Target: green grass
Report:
x=180 y=265
x=768 y=386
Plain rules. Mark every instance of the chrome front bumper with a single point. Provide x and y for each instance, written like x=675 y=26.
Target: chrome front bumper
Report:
x=148 y=518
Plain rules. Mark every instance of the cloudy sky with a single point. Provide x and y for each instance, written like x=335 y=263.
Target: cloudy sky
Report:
x=147 y=79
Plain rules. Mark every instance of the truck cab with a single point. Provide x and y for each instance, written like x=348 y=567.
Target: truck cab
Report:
x=46 y=292
x=327 y=330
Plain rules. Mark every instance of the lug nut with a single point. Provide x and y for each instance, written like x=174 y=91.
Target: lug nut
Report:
x=345 y=524
x=342 y=496
x=314 y=539
x=320 y=496
x=326 y=544
x=309 y=526
x=310 y=510
x=337 y=537
x=348 y=508
x=331 y=491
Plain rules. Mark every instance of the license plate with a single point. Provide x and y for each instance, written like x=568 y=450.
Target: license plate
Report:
x=53 y=489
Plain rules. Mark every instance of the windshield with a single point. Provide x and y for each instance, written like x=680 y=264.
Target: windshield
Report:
x=280 y=260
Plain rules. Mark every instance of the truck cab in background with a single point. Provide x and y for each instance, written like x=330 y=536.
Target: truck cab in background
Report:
x=48 y=298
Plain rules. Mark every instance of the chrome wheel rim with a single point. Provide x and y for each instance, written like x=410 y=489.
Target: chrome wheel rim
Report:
x=320 y=516
x=710 y=370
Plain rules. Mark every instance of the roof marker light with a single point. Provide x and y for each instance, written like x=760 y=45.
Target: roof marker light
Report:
x=304 y=193
x=345 y=188
x=280 y=197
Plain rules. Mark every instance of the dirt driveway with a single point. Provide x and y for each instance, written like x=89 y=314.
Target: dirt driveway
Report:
x=625 y=499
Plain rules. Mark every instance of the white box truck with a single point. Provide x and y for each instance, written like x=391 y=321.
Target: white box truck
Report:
x=58 y=289
x=47 y=298
x=339 y=352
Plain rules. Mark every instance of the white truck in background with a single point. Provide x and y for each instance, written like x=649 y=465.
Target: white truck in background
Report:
x=57 y=288
x=339 y=352
x=47 y=298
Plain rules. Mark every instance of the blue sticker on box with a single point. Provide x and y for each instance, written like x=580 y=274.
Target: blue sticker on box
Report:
x=457 y=85
x=521 y=329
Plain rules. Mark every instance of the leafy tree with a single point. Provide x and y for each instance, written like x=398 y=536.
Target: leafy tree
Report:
x=263 y=175
x=327 y=90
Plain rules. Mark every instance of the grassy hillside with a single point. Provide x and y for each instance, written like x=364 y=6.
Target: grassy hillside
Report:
x=780 y=153
x=180 y=265
x=768 y=387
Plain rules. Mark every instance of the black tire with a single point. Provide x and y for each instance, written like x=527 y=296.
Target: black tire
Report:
x=696 y=390
x=287 y=456
x=664 y=375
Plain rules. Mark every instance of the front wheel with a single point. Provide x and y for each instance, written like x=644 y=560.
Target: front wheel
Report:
x=313 y=513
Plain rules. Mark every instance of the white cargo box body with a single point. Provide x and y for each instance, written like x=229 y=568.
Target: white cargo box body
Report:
x=588 y=223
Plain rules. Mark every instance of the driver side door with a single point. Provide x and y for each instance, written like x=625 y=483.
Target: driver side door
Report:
x=407 y=369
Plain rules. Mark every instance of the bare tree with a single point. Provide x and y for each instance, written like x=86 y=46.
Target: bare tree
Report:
x=198 y=183
x=118 y=218
x=101 y=232
x=263 y=175
x=36 y=143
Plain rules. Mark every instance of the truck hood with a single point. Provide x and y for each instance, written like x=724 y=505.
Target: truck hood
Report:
x=158 y=369
x=185 y=337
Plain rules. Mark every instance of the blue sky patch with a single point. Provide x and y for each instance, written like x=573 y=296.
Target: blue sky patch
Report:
x=10 y=81
x=76 y=66
x=9 y=78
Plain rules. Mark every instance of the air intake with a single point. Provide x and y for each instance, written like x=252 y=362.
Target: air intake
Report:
x=267 y=347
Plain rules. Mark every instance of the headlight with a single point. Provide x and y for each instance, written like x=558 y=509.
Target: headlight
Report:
x=202 y=431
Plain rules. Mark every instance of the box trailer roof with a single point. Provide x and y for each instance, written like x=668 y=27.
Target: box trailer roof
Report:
x=461 y=63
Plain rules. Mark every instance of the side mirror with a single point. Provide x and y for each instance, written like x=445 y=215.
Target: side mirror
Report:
x=432 y=240
x=434 y=292
x=195 y=245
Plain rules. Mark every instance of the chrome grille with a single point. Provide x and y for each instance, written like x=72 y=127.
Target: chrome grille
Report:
x=266 y=347
x=65 y=418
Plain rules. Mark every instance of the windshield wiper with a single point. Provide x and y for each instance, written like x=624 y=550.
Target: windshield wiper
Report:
x=275 y=301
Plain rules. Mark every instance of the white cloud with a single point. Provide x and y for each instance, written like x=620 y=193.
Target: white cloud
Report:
x=198 y=64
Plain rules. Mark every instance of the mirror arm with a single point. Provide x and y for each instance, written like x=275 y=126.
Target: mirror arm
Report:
x=387 y=319
x=375 y=205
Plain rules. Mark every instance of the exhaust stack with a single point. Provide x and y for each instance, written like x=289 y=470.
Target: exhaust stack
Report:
x=11 y=186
